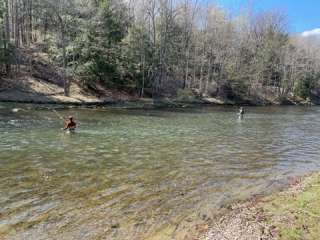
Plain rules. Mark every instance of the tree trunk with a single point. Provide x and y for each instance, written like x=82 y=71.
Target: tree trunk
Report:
x=7 y=37
x=66 y=83
x=16 y=21
x=30 y=39
x=64 y=59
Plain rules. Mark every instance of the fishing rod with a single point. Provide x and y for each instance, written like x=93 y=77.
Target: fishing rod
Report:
x=62 y=118
x=59 y=116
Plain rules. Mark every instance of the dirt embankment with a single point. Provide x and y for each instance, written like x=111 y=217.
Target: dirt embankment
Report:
x=290 y=215
x=27 y=89
x=35 y=80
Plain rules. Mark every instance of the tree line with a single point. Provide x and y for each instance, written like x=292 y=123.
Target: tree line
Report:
x=162 y=47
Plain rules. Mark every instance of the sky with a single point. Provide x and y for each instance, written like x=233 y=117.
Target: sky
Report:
x=303 y=15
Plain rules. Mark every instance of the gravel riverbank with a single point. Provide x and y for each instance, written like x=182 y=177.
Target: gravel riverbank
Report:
x=289 y=215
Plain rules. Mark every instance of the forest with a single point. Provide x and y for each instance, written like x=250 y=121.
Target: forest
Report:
x=162 y=48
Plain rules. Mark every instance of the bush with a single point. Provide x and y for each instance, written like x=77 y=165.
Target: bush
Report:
x=304 y=87
x=185 y=95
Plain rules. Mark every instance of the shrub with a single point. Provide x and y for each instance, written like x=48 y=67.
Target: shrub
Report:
x=185 y=95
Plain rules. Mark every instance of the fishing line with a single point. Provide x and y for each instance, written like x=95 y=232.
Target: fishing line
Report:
x=57 y=114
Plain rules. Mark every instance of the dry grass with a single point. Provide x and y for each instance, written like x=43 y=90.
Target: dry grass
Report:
x=244 y=221
x=290 y=215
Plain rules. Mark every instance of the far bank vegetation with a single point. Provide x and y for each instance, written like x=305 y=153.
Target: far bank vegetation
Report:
x=159 y=48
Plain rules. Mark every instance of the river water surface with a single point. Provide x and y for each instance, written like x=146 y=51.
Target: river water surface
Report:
x=137 y=174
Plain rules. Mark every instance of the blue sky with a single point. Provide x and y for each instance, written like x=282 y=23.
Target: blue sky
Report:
x=303 y=15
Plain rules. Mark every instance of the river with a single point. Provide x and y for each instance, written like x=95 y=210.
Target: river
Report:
x=143 y=174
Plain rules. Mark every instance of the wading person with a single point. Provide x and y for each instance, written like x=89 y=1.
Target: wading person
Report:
x=70 y=125
x=241 y=112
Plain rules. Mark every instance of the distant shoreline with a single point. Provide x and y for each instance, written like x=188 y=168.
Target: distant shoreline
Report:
x=146 y=102
x=27 y=89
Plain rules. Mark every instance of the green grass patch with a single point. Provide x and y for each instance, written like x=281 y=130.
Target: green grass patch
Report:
x=296 y=213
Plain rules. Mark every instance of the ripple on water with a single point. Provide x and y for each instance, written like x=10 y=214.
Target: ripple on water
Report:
x=128 y=174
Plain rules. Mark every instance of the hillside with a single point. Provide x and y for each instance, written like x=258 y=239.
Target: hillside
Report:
x=161 y=50
x=38 y=81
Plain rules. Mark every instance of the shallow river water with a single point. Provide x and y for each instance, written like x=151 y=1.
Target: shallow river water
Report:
x=141 y=174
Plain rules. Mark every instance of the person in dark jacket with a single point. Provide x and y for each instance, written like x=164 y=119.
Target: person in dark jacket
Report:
x=70 y=124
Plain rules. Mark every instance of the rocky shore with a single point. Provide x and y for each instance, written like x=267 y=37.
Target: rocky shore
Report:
x=288 y=215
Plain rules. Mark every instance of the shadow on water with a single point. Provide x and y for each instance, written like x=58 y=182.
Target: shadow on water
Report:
x=134 y=174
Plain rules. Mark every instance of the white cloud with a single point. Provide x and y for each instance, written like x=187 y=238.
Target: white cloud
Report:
x=312 y=33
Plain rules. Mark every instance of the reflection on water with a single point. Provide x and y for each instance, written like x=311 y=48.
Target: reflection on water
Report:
x=133 y=174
